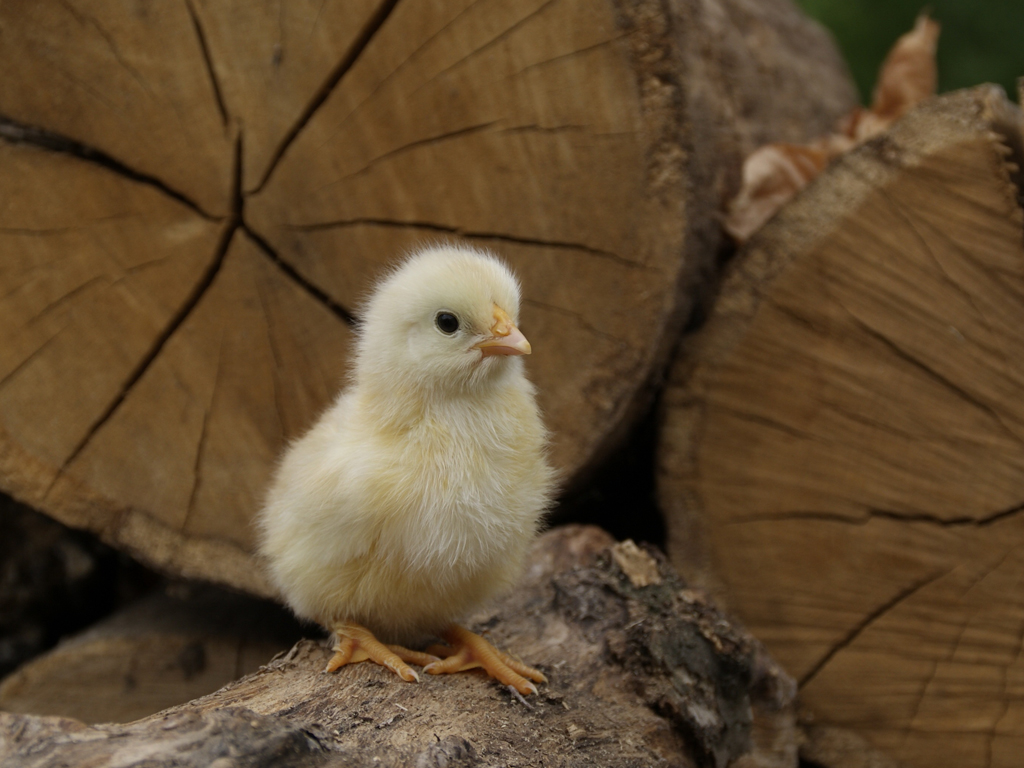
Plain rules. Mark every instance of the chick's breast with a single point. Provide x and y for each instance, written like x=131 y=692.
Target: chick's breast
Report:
x=405 y=528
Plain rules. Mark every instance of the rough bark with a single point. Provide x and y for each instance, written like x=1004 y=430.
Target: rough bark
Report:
x=842 y=453
x=642 y=672
x=200 y=193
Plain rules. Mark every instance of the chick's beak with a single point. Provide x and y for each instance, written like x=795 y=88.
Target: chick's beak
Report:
x=505 y=338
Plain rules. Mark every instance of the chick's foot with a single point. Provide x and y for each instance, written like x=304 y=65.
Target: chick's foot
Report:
x=469 y=651
x=356 y=643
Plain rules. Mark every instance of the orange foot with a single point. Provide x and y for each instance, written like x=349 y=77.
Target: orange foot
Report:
x=469 y=651
x=357 y=643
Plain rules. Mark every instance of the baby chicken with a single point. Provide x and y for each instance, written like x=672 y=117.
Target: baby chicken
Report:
x=415 y=496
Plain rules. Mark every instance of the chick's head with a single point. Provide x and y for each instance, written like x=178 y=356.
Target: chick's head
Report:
x=446 y=319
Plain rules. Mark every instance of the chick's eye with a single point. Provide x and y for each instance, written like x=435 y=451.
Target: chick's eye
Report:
x=447 y=322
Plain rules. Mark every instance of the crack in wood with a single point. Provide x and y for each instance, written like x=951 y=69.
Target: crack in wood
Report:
x=578 y=317
x=308 y=286
x=408 y=59
x=535 y=128
x=908 y=219
x=867 y=621
x=201 y=445
x=35 y=353
x=50 y=231
x=18 y=133
x=208 y=60
x=871 y=513
x=64 y=298
x=201 y=287
x=934 y=375
x=570 y=54
x=355 y=50
x=924 y=517
x=920 y=700
x=493 y=41
x=469 y=235
x=85 y=19
x=410 y=146
x=271 y=344
x=763 y=421
x=1007 y=698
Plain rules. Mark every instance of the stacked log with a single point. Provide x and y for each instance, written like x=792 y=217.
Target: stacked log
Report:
x=201 y=192
x=842 y=455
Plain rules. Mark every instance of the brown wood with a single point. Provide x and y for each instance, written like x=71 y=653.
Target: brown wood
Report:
x=164 y=650
x=842 y=449
x=639 y=675
x=128 y=81
x=204 y=193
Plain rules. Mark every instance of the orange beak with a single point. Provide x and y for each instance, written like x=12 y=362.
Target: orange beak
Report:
x=505 y=338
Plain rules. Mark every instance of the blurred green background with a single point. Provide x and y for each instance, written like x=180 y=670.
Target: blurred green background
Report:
x=981 y=41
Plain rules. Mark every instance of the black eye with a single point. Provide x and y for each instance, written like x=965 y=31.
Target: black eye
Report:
x=447 y=322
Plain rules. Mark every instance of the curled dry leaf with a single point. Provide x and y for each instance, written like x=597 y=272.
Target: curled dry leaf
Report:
x=908 y=75
x=772 y=174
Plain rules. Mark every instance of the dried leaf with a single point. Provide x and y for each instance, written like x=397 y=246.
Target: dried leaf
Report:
x=774 y=173
x=771 y=176
x=908 y=75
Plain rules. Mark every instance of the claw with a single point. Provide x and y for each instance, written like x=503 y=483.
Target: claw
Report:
x=356 y=643
x=471 y=651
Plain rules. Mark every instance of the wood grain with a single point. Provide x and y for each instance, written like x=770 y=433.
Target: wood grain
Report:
x=650 y=675
x=271 y=161
x=127 y=81
x=842 y=450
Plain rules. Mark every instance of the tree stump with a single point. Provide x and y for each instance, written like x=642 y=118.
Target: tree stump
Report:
x=642 y=671
x=199 y=193
x=843 y=445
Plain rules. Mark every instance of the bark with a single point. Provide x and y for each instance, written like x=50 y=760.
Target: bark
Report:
x=642 y=671
x=200 y=193
x=842 y=454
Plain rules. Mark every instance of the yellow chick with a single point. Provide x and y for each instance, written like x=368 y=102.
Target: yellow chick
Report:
x=416 y=495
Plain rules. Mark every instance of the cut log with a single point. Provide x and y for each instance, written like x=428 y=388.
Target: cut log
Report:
x=164 y=650
x=199 y=195
x=642 y=671
x=843 y=445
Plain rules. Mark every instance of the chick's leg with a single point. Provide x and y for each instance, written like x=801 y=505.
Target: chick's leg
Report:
x=470 y=651
x=356 y=643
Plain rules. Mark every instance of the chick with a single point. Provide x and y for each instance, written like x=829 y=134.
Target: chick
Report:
x=415 y=496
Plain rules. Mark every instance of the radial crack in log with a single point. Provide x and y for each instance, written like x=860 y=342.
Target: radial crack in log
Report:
x=866 y=622
x=615 y=128
x=128 y=84
x=298 y=278
x=200 y=289
x=370 y=29
x=462 y=233
x=17 y=133
x=205 y=48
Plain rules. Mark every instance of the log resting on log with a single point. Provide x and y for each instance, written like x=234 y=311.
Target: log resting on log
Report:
x=642 y=672
x=199 y=193
x=843 y=446
x=173 y=646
